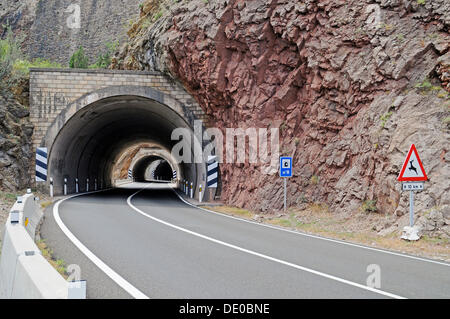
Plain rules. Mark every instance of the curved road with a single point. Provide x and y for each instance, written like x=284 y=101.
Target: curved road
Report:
x=161 y=247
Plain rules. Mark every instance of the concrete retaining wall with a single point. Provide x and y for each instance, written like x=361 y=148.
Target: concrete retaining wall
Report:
x=24 y=272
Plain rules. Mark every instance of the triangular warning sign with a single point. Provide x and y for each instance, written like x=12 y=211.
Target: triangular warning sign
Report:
x=412 y=170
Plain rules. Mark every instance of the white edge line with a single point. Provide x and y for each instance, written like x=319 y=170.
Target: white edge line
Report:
x=133 y=291
x=251 y=252
x=314 y=236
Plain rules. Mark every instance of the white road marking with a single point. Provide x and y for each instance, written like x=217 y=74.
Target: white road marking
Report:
x=251 y=252
x=315 y=236
x=133 y=291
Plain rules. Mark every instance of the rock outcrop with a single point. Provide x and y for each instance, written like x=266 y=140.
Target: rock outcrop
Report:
x=15 y=144
x=351 y=84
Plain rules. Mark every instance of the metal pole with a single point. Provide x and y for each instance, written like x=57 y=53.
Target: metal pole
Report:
x=411 y=208
x=285 y=182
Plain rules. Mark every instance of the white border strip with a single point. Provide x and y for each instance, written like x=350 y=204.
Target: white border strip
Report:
x=314 y=236
x=315 y=272
x=133 y=291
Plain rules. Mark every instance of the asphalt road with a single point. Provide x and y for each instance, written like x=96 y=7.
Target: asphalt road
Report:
x=164 y=248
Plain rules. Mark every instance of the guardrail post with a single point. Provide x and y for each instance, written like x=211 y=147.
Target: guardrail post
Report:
x=51 y=187
x=77 y=189
x=65 y=186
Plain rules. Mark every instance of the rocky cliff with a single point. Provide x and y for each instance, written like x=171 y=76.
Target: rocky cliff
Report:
x=351 y=84
x=54 y=29
x=15 y=144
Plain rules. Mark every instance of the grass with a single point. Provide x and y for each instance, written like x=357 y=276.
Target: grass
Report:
x=369 y=206
x=157 y=15
x=314 y=180
x=47 y=253
x=318 y=220
x=446 y=120
x=23 y=66
x=234 y=211
x=8 y=198
x=384 y=118
x=46 y=204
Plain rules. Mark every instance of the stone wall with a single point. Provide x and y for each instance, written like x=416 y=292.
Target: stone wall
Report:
x=48 y=34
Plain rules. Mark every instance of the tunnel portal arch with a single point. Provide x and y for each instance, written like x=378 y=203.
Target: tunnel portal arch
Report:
x=89 y=135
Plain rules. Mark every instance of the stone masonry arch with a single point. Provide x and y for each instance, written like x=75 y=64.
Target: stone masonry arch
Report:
x=85 y=118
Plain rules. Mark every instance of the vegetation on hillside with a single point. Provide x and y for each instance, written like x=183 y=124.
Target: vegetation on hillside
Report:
x=80 y=60
x=14 y=65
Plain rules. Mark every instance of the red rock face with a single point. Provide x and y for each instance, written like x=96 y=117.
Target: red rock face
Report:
x=313 y=69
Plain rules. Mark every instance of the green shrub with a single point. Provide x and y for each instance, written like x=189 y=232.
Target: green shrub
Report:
x=369 y=206
x=10 y=52
x=79 y=60
x=104 y=59
x=384 y=118
x=425 y=85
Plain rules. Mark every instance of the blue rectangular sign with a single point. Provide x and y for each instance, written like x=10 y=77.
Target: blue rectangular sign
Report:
x=285 y=166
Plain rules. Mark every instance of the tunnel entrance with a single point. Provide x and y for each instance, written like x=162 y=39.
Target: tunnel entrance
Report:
x=152 y=168
x=89 y=144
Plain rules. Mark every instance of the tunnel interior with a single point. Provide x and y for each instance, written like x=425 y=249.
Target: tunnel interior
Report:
x=152 y=168
x=89 y=144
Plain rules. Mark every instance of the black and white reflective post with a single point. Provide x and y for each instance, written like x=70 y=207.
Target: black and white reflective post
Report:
x=174 y=175
x=77 y=189
x=212 y=174
x=285 y=171
x=51 y=187
x=65 y=186
x=41 y=164
x=130 y=173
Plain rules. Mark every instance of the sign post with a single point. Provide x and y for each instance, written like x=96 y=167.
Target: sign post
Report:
x=285 y=171
x=413 y=177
